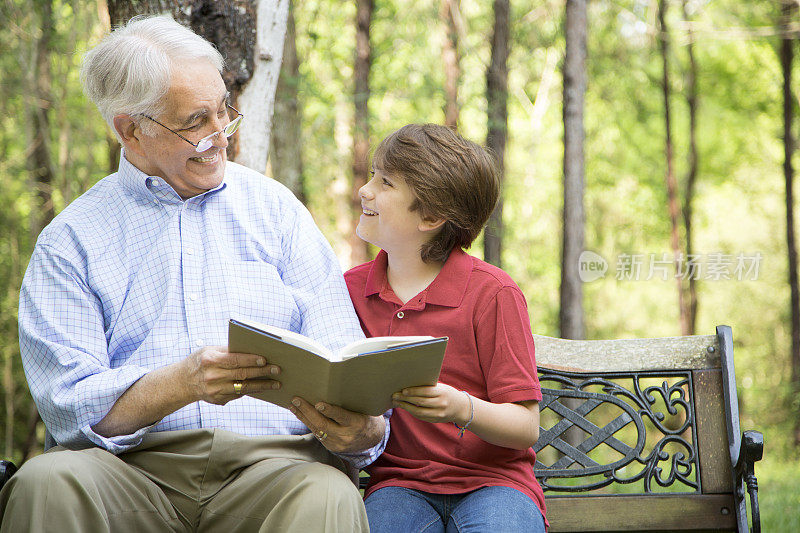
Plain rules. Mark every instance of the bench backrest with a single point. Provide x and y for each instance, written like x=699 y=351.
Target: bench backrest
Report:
x=639 y=434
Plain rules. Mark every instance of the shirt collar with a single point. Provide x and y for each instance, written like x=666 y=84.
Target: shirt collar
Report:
x=447 y=289
x=149 y=187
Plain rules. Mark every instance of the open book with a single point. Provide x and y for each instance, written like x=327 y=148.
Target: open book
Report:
x=360 y=377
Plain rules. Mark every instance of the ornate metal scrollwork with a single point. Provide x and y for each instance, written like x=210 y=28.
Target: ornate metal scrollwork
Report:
x=663 y=444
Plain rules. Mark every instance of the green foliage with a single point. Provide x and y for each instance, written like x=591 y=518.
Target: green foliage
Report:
x=79 y=154
x=779 y=498
x=738 y=204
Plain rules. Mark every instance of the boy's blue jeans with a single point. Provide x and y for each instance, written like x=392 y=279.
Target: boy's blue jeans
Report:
x=490 y=509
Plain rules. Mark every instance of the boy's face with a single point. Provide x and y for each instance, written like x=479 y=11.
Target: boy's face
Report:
x=386 y=219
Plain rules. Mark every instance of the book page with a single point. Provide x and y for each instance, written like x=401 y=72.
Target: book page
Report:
x=376 y=344
x=293 y=338
x=360 y=384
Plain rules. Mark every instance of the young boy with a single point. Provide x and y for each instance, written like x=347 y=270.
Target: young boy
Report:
x=459 y=453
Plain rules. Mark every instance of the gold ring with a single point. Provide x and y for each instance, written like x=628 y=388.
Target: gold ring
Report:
x=237 y=387
x=321 y=435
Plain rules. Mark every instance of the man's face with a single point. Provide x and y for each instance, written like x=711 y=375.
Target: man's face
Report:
x=195 y=107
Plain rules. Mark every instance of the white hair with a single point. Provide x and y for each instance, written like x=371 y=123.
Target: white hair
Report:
x=129 y=71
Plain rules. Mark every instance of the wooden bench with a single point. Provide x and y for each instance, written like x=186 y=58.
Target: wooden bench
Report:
x=655 y=442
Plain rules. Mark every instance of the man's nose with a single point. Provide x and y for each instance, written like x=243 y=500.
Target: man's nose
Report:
x=221 y=140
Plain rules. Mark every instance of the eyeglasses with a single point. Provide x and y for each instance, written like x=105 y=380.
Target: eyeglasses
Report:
x=205 y=143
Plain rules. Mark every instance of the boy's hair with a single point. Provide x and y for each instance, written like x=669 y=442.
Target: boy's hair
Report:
x=450 y=177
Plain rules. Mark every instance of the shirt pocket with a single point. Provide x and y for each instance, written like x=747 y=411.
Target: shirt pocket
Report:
x=256 y=291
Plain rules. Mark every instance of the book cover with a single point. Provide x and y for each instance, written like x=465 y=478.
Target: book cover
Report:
x=360 y=377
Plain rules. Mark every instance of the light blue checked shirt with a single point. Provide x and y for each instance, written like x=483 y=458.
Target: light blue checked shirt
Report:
x=129 y=278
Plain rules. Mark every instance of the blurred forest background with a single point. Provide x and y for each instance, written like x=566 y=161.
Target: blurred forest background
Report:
x=680 y=187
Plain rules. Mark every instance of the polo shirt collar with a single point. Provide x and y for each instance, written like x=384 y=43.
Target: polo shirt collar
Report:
x=149 y=187
x=447 y=289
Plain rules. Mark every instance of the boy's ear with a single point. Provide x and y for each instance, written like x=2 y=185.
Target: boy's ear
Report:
x=428 y=224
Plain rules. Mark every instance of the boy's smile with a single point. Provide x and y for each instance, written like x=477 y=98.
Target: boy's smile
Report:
x=387 y=220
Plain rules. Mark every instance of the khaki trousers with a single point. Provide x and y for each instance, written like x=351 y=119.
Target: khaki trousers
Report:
x=193 y=480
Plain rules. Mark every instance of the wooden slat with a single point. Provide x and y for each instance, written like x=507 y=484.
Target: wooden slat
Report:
x=628 y=355
x=641 y=513
x=712 y=435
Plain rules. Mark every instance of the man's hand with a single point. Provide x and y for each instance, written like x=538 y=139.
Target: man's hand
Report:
x=339 y=430
x=212 y=371
x=439 y=403
x=208 y=374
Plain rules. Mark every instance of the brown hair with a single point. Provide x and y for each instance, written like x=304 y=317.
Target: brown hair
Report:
x=450 y=177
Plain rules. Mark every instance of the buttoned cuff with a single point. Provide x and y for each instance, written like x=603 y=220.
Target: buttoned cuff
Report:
x=360 y=460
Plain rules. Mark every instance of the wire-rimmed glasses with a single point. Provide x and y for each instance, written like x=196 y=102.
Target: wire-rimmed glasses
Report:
x=205 y=143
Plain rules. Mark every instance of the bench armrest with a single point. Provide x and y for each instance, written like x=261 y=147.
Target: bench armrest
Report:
x=750 y=451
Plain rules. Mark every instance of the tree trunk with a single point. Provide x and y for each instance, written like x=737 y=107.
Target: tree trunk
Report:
x=114 y=149
x=40 y=164
x=249 y=34
x=787 y=57
x=571 y=314
x=64 y=126
x=15 y=391
x=672 y=186
x=9 y=389
x=341 y=186
x=496 y=100
x=359 y=250
x=449 y=14
x=691 y=175
x=257 y=95
x=286 y=153
x=29 y=449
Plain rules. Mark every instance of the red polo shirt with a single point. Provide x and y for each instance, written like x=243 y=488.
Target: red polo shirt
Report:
x=490 y=355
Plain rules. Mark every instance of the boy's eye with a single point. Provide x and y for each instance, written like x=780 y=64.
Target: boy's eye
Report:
x=387 y=182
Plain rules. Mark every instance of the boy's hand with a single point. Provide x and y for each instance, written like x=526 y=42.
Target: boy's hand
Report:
x=439 y=403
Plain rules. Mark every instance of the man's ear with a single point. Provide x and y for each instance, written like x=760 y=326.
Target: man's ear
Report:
x=128 y=130
x=429 y=224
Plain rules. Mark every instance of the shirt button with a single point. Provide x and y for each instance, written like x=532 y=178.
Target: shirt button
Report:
x=155 y=183
x=193 y=297
x=190 y=251
x=400 y=315
x=198 y=343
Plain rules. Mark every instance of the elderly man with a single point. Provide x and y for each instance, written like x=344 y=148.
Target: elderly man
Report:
x=123 y=321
